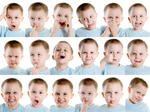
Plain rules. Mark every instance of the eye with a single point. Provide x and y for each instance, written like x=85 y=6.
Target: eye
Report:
x=110 y=52
x=84 y=19
x=141 y=15
x=32 y=55
x=109 y=17
x=59 y=15
x=10 y=56
x=15 y=92
x=116 y=92
x=92 y=52
x=89 y=93
x=33 y=91
x=16 y=17
x=16 y=56
x=8 y=17
x=7 y=93
x=82 y=93
x=65 y=94
x=57 y=94
x=41 y=92
x=117 y=17
x=141 y=53
x=84 y=52
x=32 y=18
x=91 y=16
x=39 y=54
x=57 y=50
x=66 y=16
x=134 y=16
x=118 y=52
x=39 y=18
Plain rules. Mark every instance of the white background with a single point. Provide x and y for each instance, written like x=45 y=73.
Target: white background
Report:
x=99 y=5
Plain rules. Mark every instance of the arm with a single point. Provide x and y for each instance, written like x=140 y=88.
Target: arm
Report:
x=69 y=27
x=54 y=29
x=114 y=29
x=34 y=32
x=106 y=32
x=3 y=13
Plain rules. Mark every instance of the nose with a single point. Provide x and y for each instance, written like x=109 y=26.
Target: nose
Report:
x=112 y=95
x=137 y=56
x=137 y=18
x=114 y=54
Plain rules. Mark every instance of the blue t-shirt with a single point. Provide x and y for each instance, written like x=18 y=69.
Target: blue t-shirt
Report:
x=46 y=72
x=94 y=70
x=138 y=107
x=6 y=32
x=129 y=32
x=63 y=33
x=129 y=70
x=67 y=71
x=83 y=32
x=121 y=32
x=113 y=70
x=4 y=108
x=54 y=108
x=93 y=108
x=44 y=33
x=7 y=71
x=119 y=108
x=29 y=108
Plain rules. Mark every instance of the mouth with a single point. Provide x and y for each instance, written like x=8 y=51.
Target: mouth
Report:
x=138 y=61
x=62 y=57
x=60 y=101
x=11 y=100
x=138 y=24
x=62 y=24
x=13 y=26
x=36 y=102
x=13 y=63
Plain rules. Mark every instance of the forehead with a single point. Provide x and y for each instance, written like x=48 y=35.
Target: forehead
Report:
x=114 y=45
x=65 y=87
x=63 y=45
x=39 y=48
x=87 y=11
x=139 y=86
x=137 y=47
x=14 y=12
x=112 y=11
x=87 y=87
x=138 y=9
x=37 y=13
x=63 y=10
x=37 y=86
x=11 y=86
x=13 y=50
x=89 y=44
x=113 y=86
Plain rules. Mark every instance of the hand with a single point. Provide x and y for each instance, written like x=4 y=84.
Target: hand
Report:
x=113 y=28
x=4 y=12
x=34 y=32
x=85 y=107
x=35 y=70
x=106 y=32
x=69 y=28
x=55 y=28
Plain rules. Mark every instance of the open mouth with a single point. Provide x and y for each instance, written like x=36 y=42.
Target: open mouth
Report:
x=36 y=102
x=13 y=26
x=138 y=61
x=62 y=23
x=62 y=57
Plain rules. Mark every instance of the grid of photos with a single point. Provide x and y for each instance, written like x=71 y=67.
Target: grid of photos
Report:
x=74 y=56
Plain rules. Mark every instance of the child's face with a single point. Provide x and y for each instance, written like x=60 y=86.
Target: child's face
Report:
x=112 y=94
x=88 y=53
x=62 y=95
x=62 y=53
x=13 y=57
x=11 y=93
x=137 y=93
x=137 y=55
x=13 y=19
x=88 y=18
x=113 y=15
x=37 y=93
x=115 y=51
x=37 y=19
x=63 y=16
x=87 y=94
x=38 y=56
x=138 y=18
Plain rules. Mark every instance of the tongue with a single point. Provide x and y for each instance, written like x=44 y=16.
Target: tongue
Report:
x=36 y=102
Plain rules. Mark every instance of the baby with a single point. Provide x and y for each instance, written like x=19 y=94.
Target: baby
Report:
x=62 y=21
x=38 y=16
x=87 y=17
x=13 y=15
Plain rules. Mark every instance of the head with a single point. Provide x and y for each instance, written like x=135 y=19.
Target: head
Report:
x=88 y=90
x=39 y=53
x=87 y=16
x=112 y=91
x=114 y=49
x=88 y=51
x=137 y=16
x=113 y=13
x=137 y=90
x=62 y=92
x=37 y=92
x=13 y=53
x=11 y=92
x=14 y=16
x=63 y=14
x=137 y=52
x=38 y=15
x=63 y=53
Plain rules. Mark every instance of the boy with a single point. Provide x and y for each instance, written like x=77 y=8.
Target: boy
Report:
x=87 y=92
x=113 y=17
x=137 y=17
x=112 y=92
x=87 y=16
x=39 y=54
x=62 y=93
x=109 y=65
x=13 y=53
x=88 y=52
x=38 y=16
x=62 y=21
x=62 y=54
x=137 y=53
x=137 y=90
x=11 y=93
x=13 y=15
x=37 y=93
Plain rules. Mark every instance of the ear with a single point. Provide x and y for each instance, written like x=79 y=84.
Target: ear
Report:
x=2 y=95
x=4 y=55
x=28 y=93
x=71 y=58
x=80 y=21
x=129 y=89
x=53 y=57
x=47 y=18
x=96 y=94
x=104 y=53
x=103 y=94
x=127 y=55
x=79 y=54
x=129 y=19
x=53 y=16
x=72 y=95
x=48 y=56
x=21 y=95
x=104 y=19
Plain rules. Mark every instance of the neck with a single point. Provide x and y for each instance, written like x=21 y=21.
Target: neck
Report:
x=40 y=29
x=13 y=68
x=13 y=107
x=134 y=66
x=138 y=30
x=36 y=106
x=64 y=106
x=115 y=65
x=87 y=65
x=131 y=101
x=61 y=67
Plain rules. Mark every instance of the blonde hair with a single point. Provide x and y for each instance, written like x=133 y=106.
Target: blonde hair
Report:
x=63 y=5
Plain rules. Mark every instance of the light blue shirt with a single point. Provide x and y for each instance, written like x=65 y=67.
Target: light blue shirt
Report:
x=68 y=71
x=83 y=32
x=6 y=32
x=44 y=33
x=113 y=70
x=7 y=71
x=119 y=108
x=94 y=70
x=4 y=108
x=121 y=32
x=29 y=108
x=137 y=71
x=93 y=108
x=138 y=107
x=132 y=33
x=63 y=33
x=54 y=108
x=46 y=72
